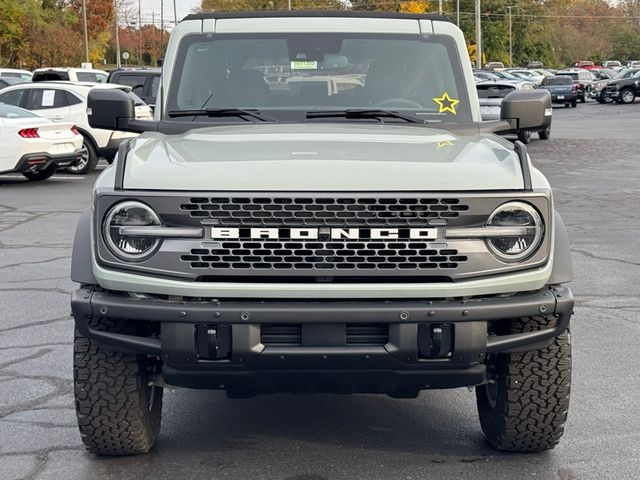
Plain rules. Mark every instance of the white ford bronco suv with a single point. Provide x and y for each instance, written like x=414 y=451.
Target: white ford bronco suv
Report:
x=318 y=207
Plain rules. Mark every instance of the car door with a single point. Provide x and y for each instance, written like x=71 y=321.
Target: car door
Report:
x=50 y=103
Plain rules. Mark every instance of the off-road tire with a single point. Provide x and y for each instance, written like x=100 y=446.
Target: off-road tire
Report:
x=118 y=412
x=524 y=136
x=526 y=408
x=545 y=134
x=40 y=175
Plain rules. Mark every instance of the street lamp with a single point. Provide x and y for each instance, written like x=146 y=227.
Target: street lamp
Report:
x=86 y=35
x=478 y=36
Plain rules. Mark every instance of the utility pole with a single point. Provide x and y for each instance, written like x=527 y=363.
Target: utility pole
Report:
x=115 y=20
x=161 y=25
x=458 y=13
x=510 y=40
x=478 y=36
x=139 y=32
x=86 y=35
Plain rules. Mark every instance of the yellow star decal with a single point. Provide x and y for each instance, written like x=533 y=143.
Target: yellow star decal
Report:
x=446 y=103
x=445 y=143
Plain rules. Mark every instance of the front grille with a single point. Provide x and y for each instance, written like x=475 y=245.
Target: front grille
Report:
x=322 y=211
x=355 y=334
x=330 y=255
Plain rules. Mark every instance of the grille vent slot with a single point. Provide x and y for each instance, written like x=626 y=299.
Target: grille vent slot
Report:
x=311 y=211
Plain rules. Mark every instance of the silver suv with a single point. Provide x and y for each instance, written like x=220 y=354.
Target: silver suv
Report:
x=317 y=207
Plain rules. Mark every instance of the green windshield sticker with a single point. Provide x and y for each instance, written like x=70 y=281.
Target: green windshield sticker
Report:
x=304 y=65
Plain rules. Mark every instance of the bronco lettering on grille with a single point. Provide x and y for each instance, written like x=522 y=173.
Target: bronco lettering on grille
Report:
x=218 y=233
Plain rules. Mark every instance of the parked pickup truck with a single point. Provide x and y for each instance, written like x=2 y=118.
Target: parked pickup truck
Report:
x=376 y=239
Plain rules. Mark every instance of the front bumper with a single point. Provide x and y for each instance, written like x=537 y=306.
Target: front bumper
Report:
x=320 y=363
x=36 y=162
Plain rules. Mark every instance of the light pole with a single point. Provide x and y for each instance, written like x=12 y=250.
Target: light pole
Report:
x=478 y=36
x=115 y=20
x=175 y=13
x=458 y=13
x=139 y=32
x=86 y=35
x=510 y=39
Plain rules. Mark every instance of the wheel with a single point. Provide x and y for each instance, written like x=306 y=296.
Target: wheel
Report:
x=88 y=160
x=603 y=98
x=574 y=104
x=545 y=134
x=524 y=136
x=40 y=175
x=566 y=105
x=524 y=405
x=118 y=412
x=583 y=98
x=626 y=96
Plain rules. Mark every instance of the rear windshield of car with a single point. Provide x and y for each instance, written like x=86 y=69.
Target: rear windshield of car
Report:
x=284 y=73
x=50 y=76
x=559 y=80
x=9 y=111
x=494 y=91
x=573 y=75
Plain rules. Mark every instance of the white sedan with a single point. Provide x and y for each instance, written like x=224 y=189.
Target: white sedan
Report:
x=35 y=146
x=67 y=102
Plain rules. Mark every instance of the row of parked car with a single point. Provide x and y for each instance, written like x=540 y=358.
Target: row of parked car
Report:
x=43 y=118
x=567 y=87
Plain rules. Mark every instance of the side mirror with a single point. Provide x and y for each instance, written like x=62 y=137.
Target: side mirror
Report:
x=113 y=109
x=527 y=110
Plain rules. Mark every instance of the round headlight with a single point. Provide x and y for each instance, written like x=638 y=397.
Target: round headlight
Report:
x=130 y=214
x=521 y=242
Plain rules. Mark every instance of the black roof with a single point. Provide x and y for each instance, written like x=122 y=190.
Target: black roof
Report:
x=316 y=13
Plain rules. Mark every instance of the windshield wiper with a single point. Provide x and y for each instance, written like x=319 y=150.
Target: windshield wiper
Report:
x=221 y=112
x=358 y=113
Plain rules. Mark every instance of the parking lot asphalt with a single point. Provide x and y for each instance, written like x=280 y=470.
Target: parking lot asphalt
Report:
x=593 y=164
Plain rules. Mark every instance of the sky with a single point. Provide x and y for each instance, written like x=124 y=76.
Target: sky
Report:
x=183 y=8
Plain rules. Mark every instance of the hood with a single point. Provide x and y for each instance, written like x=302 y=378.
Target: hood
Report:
x=623 y=82
x=321 y=157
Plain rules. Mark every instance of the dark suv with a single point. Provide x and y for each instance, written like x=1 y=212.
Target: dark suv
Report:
x=625 y=87
x=144 y=82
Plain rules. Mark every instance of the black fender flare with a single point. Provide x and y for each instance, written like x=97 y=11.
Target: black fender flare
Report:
x=81 y=269
x=562 y=271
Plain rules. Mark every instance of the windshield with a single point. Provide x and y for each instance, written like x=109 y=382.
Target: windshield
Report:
x=9 y=111
x=627 y=73
x=573 y=75
x=287 y=74
x=494 y=91
x=559 y=80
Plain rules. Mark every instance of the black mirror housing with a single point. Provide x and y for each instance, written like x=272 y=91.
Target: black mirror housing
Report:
x=527 y=110
x=108 y=108
x=113 y=109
